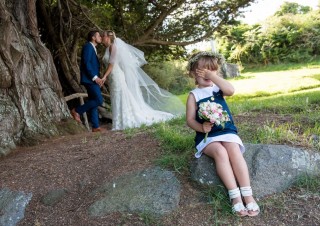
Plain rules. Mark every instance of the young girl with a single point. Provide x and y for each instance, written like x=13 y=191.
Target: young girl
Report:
x=222 y=144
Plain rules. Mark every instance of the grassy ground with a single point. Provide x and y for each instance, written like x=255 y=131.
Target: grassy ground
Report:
x=284 y=104
x=270 y=106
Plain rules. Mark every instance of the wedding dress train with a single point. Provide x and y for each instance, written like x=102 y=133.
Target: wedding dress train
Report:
x=135 y=98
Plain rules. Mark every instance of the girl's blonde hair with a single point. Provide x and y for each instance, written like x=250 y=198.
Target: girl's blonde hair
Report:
x=208 y=60
x=110 y=34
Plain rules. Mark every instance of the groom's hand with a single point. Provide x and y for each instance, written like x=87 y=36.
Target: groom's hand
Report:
x=99 y=81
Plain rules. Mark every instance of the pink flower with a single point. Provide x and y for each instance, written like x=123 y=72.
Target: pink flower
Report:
x=213 y=112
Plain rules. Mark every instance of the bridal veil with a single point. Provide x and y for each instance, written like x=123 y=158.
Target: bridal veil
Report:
x=143 y=88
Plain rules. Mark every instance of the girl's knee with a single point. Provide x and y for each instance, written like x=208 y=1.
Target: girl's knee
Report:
x=235 y=154
x=221 y=155
x=217 y=152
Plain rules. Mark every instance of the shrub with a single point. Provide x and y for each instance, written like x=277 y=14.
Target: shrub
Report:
x=171 y=76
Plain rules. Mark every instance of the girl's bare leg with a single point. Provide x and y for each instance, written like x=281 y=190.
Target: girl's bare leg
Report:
x=239 y=166
x=219 y=153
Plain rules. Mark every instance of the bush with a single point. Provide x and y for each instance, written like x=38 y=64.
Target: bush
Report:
x=171 y=76
x=289 y=38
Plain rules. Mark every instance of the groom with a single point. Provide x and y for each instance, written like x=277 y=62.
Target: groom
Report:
x=89 y=70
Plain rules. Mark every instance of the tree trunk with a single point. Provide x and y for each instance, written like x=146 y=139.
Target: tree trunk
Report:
x=62 y=35
x=31 y=100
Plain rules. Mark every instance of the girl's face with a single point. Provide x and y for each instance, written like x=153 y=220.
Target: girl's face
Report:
x=203 y=80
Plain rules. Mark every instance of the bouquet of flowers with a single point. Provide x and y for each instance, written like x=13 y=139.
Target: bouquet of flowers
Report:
x=213 y=112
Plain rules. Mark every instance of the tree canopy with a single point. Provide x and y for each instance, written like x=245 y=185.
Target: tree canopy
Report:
x=289 y=36
x=41 y=41
x=293 y=8
x=165 y=22
x=157 y=26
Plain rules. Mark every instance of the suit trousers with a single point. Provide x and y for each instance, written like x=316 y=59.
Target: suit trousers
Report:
x=91 y=105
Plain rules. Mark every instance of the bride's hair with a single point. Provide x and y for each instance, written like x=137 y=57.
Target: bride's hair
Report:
x=110 y=34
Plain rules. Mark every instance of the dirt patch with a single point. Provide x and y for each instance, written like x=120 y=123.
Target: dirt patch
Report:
x=79 y=163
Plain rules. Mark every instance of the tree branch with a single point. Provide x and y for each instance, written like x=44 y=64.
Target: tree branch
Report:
x=160 y=19
x=84 y=13
x=47 y=22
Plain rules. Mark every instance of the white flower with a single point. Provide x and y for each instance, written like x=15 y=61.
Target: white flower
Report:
x=196 y=57
x=213 y=112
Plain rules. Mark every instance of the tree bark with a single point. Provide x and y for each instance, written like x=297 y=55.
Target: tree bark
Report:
x=31 y=99
x=64 y=37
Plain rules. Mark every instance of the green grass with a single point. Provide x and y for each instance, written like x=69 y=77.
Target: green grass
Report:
x=282 y=67
x=148 y=218
x=270 y=107
x=282 y=119
x=291 y=103
x=282 y=107
x=309 y=183
x=275 y=82
x=177 y=144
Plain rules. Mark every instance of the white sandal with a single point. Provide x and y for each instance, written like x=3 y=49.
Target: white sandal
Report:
x=238 y=207
x=252 y=207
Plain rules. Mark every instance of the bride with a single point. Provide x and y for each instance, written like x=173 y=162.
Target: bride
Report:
x=135 y=98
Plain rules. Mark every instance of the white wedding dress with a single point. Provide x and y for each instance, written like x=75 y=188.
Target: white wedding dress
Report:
x=135 y=98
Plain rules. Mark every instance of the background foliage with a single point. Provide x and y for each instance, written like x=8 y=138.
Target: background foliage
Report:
x=291 y=35
x=160 y=28
x=163 y=28
x=170 y=75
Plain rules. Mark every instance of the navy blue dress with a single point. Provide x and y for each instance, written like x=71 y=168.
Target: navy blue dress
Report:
x=204 y=95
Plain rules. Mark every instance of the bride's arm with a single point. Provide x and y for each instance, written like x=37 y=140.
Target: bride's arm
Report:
x=108 y=71
x=113 y=55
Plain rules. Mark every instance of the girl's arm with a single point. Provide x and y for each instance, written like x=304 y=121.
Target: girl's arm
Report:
x=225 y=86
x=191 y=117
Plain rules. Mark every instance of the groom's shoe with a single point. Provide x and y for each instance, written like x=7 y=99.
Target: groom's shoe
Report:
x=75 y=115
x=99 y=129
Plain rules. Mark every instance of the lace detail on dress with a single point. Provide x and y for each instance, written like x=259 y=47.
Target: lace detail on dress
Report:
x=128 y=106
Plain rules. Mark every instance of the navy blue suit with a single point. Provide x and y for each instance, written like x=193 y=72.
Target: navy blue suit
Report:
x=89 y=68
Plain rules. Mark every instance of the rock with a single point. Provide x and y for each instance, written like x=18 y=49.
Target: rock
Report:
x=153 y=191
x=272 y=168
x=203 y=171
x=229 y=70
x=53 y=197
x=10 y=120
x=315 y=140
x=233 y=70
x=12 y=206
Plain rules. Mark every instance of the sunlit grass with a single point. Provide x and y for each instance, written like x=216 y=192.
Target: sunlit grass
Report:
x=290 y=118
x=183 y=97
x=277 y=81
x=288 y=103
x=266 y=84
x=281 y=67
x=177 y=144
x=281 y=107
